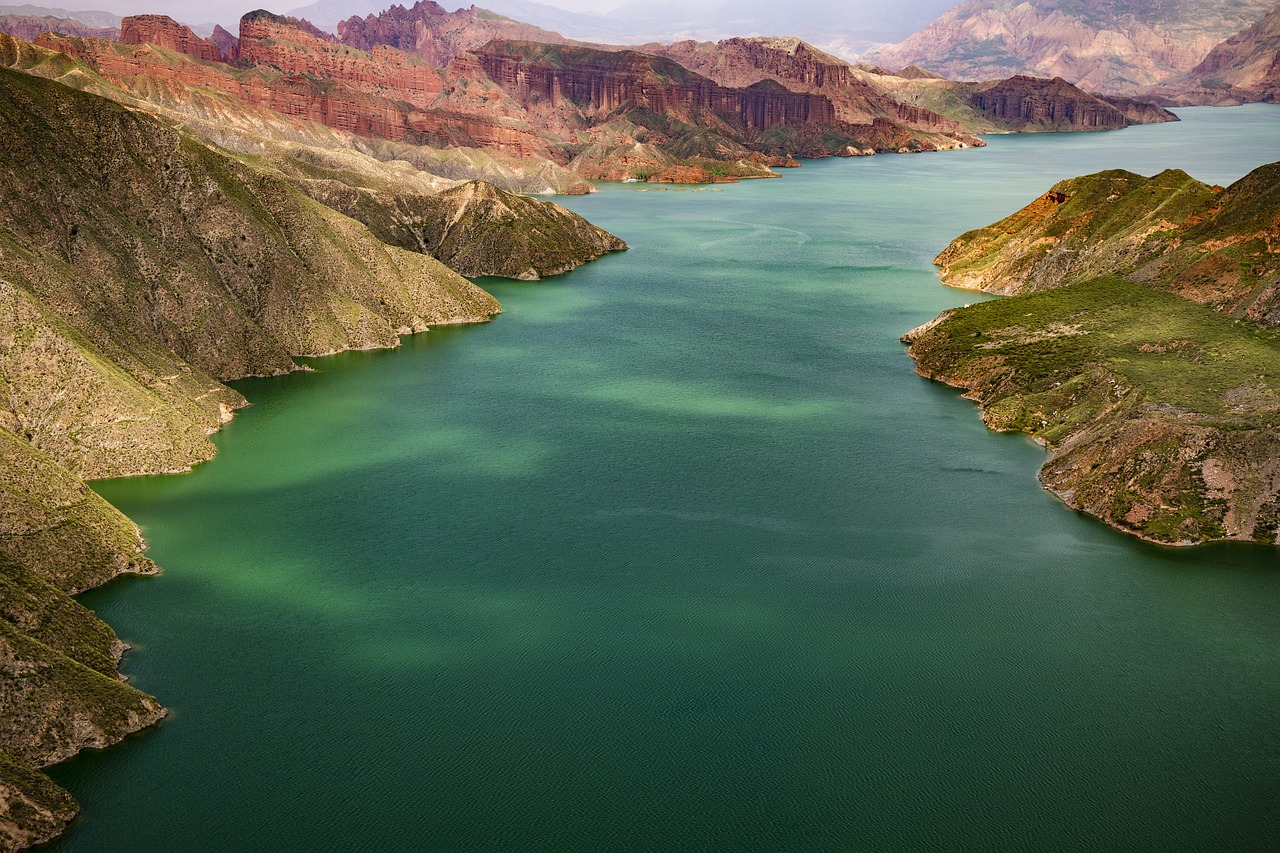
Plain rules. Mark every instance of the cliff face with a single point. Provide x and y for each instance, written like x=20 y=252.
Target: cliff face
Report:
x=436 y=35
x=943 y=113
x=855 y=95
x=163 y=31
x=280 y=105
x=1021 y=102
x=1117 y=47
x=606 y=82
x=1243 y=69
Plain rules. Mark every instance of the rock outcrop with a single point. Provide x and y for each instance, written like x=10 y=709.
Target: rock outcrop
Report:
x=1114 y=47
x=857 y=97
x=938 y=113
x=1132 y=347
x=163 y=31
x=1023 y=102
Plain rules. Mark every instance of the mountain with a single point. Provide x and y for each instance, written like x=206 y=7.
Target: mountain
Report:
x=90 y=18
x=1243 y=69
x=845 y=29
x=29 y=26
x=1118 y=46
x=913 y=97
x=1142 y=347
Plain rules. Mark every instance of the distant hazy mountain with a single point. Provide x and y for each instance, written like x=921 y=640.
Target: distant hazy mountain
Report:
x=845 y=29
x=1102 y=45
x=93 y=18
x=1243 y=69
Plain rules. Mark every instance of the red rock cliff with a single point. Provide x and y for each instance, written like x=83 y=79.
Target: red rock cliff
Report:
x=607 y=83
x=1037 y=101
x=163 y=31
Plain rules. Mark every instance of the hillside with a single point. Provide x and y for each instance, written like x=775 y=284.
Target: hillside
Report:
x=1142 y=348
x=139 y=269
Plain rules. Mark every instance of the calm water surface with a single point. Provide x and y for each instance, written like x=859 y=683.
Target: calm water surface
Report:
x=679 y=554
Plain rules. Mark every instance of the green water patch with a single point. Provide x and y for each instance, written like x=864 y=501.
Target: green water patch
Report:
x=678 y=553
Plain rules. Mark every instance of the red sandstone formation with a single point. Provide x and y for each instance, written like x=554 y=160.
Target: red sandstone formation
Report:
x=1034 y=101
x=605 y=82
x=163 y=31
x=226 y=42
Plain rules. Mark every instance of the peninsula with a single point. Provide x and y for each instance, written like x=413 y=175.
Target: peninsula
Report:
x=1139 y=344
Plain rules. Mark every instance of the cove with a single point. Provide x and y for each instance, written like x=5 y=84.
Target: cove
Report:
x=679 y=554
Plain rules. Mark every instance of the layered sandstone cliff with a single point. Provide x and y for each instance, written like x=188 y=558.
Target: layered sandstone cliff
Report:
x=163 y=31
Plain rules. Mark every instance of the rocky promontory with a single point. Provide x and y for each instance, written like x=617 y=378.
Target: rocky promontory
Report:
x=1140 y=348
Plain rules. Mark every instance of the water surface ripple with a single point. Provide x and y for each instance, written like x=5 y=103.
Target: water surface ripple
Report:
x=678 y=554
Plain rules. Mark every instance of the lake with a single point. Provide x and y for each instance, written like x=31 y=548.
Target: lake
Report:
x=678 y=553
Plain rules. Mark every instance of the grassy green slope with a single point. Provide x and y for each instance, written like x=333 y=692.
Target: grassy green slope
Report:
x=1162 y=415
x=1169 y=232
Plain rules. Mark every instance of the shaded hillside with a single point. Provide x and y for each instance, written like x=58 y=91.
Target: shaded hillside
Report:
x=1126 y=352
x=1117 y=47
x=137 y=268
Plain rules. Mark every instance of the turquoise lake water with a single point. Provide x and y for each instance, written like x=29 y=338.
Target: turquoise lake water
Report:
x=678 y=554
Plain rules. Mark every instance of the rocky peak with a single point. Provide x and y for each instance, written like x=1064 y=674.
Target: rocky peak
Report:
x=438 y=36
x=163 y=31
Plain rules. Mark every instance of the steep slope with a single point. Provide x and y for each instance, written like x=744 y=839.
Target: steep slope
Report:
x=1161 y=408
x=328 y=166
x=474 y=228
x=1243 y=69
x=632 y=107
x=916 y=99
x=252 y=109
x=1117 y=46
x=137 y=268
